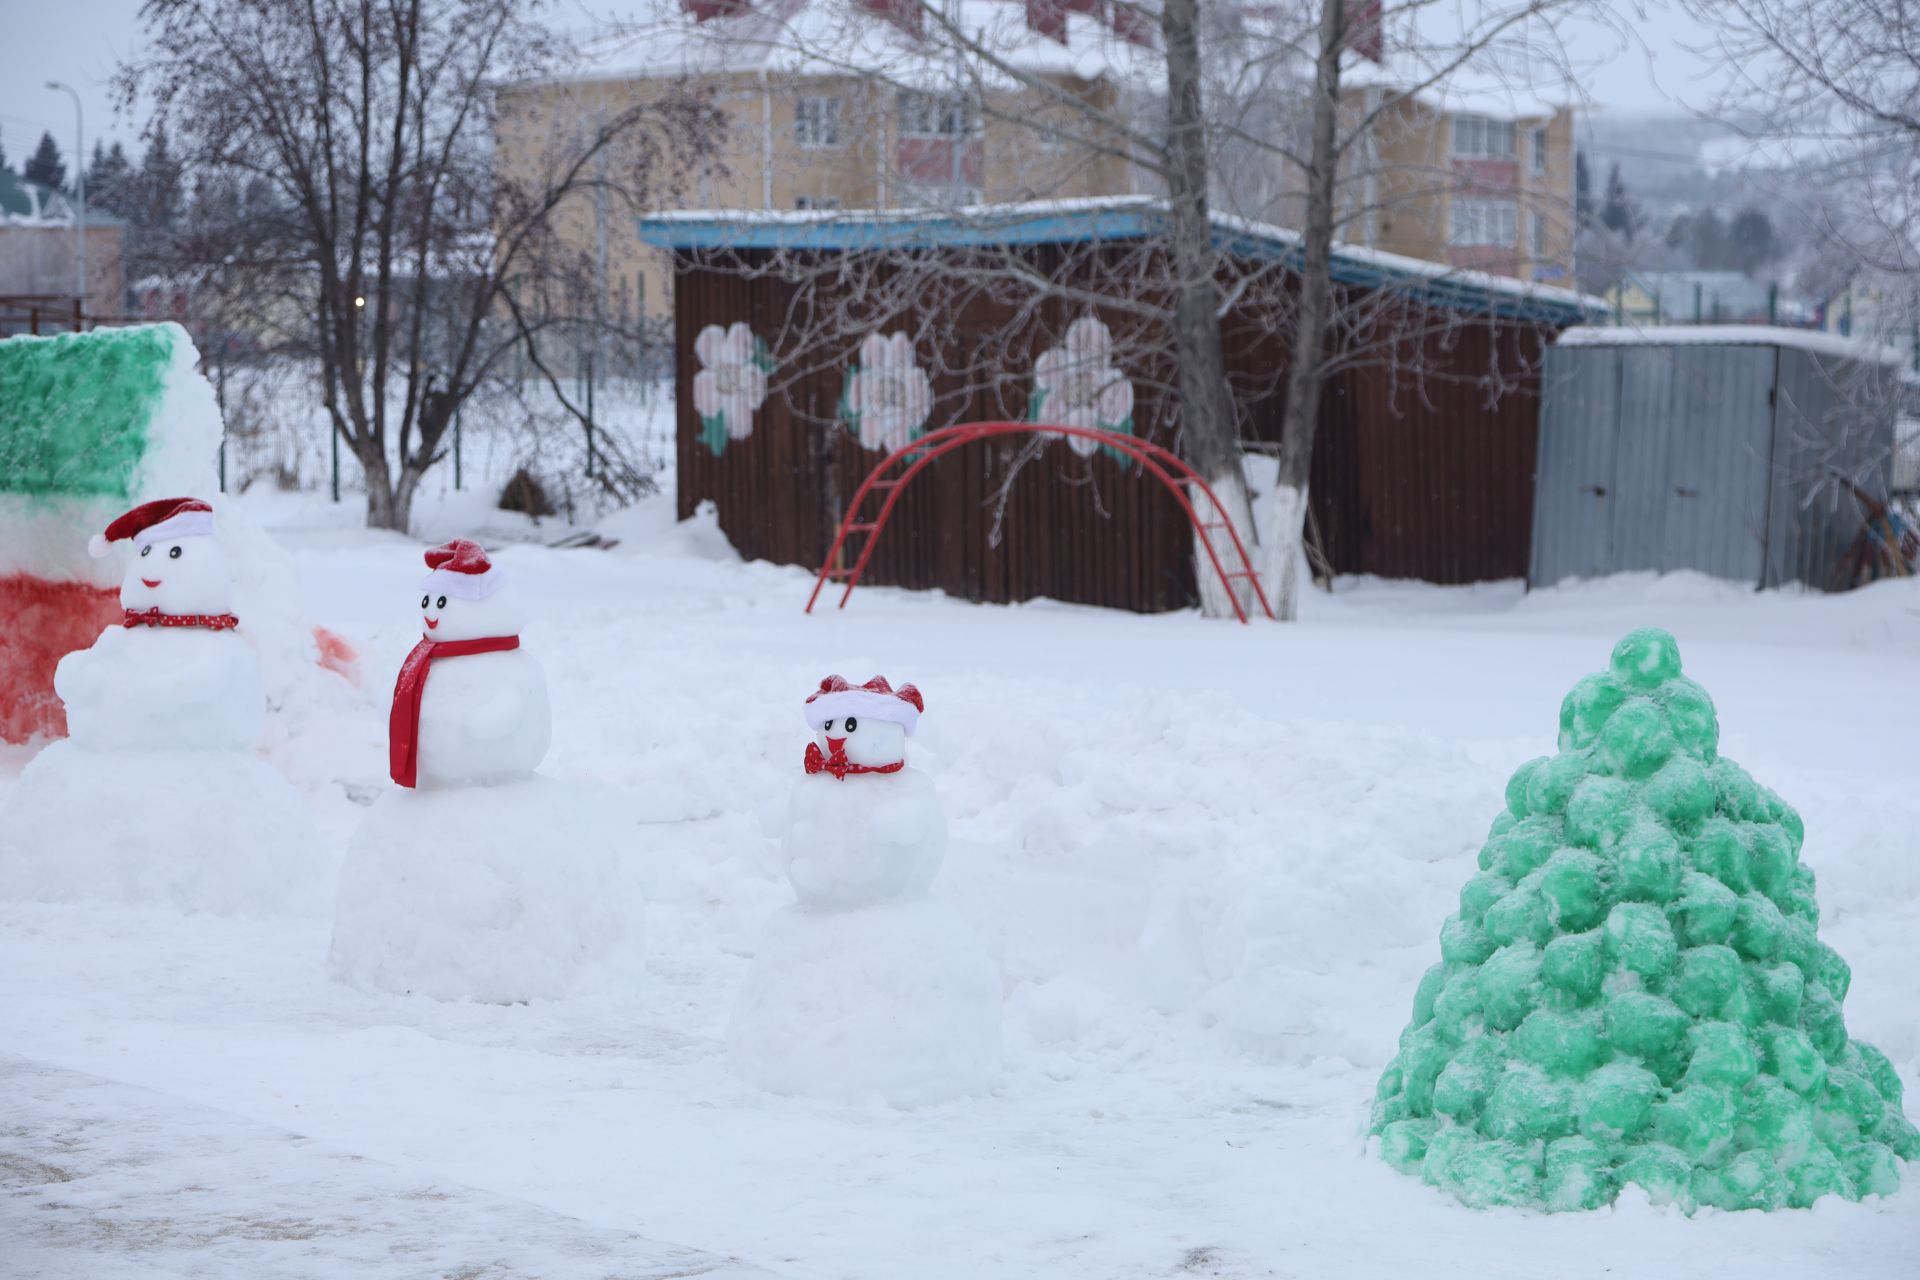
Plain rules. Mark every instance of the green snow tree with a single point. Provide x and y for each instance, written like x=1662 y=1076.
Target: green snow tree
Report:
x=1634 y=990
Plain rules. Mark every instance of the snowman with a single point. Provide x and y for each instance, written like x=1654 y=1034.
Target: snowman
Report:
x=866 y=986
x=156 y=796
x=479 y=878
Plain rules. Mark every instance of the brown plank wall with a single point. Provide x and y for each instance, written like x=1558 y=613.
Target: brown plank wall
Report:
x=1422 y=478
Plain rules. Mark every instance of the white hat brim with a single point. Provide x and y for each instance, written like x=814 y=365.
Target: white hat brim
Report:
x=863 y=703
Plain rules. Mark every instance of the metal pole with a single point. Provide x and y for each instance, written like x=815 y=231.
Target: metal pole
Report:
x=1773 y=303
x=1696 y=302
x=220 y=396
x=79 y=182
x=335 y=433
x=456 y=449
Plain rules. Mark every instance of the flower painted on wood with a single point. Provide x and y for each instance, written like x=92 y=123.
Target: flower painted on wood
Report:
x=888 y=397
x=731 y=384
x=1076 y=385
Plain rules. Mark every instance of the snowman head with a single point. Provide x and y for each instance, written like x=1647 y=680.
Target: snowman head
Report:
x=177 y=566
x=867 y=724
x=461 y=598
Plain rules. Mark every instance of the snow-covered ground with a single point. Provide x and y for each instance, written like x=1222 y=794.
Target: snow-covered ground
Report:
x=1211 y=862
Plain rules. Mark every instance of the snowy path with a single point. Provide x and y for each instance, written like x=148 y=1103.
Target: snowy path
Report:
x=1211 y=861
x=101 y=1180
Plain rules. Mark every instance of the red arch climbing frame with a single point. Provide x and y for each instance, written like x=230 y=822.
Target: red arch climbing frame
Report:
x=1161 y=463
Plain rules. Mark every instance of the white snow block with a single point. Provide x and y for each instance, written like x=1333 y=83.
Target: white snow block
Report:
x=197 y=830
x=520 y=891
x=898 y=1001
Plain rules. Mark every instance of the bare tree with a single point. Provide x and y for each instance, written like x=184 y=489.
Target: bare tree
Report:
x=349 y=207
x=1193 y=102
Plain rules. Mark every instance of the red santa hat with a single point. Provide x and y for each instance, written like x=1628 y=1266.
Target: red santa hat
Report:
x=162 y=520
x=461 y=570
x=876 y=699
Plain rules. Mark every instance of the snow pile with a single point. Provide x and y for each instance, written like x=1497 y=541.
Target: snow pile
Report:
x=1634 y=990
x=523 y=890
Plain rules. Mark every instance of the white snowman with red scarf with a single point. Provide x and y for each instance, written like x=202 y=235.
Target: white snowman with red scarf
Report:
x=478 y=878
x=867 y=987
x=176 y=673
x=156 y=796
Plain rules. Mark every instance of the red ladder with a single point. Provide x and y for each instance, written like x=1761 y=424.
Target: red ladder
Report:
x=1161 y=463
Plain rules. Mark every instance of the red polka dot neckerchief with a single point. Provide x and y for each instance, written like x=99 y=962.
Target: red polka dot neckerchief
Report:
x=205 y=621
x=817 y=761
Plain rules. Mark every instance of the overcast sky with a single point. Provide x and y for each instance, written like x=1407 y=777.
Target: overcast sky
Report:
x=81 y=41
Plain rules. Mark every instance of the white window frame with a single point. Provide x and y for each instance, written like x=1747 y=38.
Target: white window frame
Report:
x=1482 y=224
x=816 y=122
x=936 y=115
x=1484 y=138
x=1540 y=149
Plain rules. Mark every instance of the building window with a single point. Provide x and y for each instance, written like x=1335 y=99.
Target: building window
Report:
x=1480 y=137
x=816 y=123
x=935 y=115
x=1539 y=150
x=816 y=202
x=1539 y=235
x=938 y=195
x=1483 y=222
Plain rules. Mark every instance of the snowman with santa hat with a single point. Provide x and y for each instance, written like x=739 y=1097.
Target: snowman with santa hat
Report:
x=866 y=986
x=479 y=878
x=156 y=796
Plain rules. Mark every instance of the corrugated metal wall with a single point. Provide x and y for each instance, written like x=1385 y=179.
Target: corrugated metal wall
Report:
x=1702 y=457
x=1425 y=475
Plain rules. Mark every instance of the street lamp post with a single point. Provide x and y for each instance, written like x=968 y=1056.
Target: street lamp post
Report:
x=79 y=185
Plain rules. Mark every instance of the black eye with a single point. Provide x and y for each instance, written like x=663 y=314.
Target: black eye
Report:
x=146 y=550
x=425 y=601
x=853 y=722
x=173 y=553
x=829 y=726
x=441 y=603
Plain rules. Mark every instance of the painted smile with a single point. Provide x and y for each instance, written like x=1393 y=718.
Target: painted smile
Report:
x=431 y=623
x=150 y=583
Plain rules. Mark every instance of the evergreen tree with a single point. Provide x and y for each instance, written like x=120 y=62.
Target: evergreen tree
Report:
x=1616 y=211
x=158 y=188
x=45 y=166
x=1707 y=241
x=1751 y=243
x=108 y=179
x=1582 y=190
x=4 y=166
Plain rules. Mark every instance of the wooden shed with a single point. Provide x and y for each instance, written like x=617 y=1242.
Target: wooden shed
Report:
x=808 y=344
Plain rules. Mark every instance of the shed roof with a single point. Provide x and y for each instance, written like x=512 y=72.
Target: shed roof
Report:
x=1103 y=218
x=1728 y=335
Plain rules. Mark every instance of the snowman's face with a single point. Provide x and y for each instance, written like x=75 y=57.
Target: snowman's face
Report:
x=447 y=617
x=866 y=740
x=180 y=575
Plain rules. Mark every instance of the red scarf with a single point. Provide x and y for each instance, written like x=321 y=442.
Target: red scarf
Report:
x=403 y=723
x=839 y=766
x=154 y=618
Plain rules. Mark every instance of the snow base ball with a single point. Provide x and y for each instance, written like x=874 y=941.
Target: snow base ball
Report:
x=866 y=988
x=497 y=894
x=1634 y=990
x=896 y=1001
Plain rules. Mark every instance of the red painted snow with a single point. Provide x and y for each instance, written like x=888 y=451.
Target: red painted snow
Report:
x=45 y=622
x=337 y=656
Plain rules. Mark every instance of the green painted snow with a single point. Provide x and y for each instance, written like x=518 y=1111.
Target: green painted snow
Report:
x=75 y=410
x=1634 y=989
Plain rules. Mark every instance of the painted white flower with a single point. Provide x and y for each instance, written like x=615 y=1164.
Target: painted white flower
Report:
x=731 y=384
x=888 y=395
x=1076 y=385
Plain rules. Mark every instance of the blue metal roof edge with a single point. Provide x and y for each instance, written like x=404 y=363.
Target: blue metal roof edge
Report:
x=941 y=230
